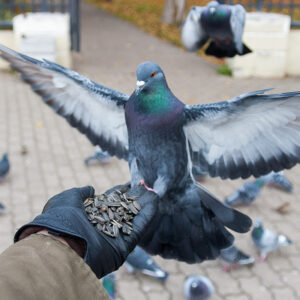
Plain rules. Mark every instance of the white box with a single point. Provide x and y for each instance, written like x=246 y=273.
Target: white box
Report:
x=51 y=29
x=267 y=35
x=293 y=53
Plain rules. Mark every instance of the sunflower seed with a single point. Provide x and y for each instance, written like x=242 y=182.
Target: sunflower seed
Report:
x=112 y=213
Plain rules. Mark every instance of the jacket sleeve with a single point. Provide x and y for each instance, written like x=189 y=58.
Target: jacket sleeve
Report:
x=41 y=268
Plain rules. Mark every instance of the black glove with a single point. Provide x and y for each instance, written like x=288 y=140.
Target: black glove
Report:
x=64 y=215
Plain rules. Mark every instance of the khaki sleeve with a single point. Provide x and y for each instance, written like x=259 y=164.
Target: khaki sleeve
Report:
x=41 y=268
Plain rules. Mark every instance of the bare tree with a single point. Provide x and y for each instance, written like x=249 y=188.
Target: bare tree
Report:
x=174 y=11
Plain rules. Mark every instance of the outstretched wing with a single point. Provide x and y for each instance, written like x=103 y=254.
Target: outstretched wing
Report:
x=237 y=24
x=252 y=134
x=193 y=36
x=96 y=111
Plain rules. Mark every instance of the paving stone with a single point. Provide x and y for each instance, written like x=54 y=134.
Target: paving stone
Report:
x=284 y=293
x=253 y=287
x=164 y=295
x=56 y=153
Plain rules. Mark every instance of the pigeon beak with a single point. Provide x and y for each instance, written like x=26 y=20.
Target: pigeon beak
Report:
x=140 y=83
x=212 y=10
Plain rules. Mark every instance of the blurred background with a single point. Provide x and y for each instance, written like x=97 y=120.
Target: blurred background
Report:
x=105 y=41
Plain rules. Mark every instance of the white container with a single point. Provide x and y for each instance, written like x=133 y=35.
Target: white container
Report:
x=267 y=35
x=6 y=39
x=44 y=35
x=293 y=53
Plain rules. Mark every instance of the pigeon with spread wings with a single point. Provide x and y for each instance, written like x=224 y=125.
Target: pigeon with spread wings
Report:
x=158 y=135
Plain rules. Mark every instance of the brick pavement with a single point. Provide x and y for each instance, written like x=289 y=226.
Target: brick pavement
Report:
x=111 y=50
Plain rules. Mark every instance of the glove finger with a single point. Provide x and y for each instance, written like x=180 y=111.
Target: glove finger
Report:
x=86 y=192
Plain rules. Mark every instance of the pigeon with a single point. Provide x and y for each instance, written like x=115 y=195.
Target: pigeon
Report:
x=221 y=24
x=102 y=156
x=2 y=208
x=246 y=194
x=198 y=288
x=278 y=180
x=266 y=240
x=141 y=261
x=157 y=134
x=4 y=166
x=233 y=257
x=109 y=283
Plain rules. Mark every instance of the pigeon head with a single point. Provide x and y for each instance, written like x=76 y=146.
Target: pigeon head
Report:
x=258 y=229
x=149 y=74
x=5 y=157
x=198 y=288
x=216 y=12
x=152 y=95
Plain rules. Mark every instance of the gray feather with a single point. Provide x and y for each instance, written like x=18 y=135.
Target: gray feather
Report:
x=94 y=110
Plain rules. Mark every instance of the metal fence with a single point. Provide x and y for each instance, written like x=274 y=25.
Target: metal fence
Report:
x=9 y=8
x=290 y=7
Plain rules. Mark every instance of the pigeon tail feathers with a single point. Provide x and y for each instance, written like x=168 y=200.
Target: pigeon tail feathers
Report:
x=190 y=226
x=223 y=50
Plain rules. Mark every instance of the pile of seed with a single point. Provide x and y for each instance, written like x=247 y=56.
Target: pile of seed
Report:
x=112 y=213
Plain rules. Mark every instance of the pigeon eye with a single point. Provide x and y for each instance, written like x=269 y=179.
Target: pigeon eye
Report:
x=153 y=74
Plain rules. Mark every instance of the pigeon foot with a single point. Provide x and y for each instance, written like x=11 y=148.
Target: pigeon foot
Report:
x=226 y=268
x=142 y=182
x=262 y=258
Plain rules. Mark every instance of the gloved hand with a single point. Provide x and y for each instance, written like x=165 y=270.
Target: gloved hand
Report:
x=64 y=215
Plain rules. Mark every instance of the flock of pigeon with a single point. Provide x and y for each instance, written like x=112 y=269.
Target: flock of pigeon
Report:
x=230 y=139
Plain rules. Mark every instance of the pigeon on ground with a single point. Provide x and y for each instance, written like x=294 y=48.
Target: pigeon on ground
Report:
x=102 y=156
x=266 y=240
x=4 y=166
x=157 y=134
x=246 y=194
x=141 y=261
x=233 y=257
x=198 y=288
x=109 y=283
x=278 y=180
x=222 y=24
x=2 y=208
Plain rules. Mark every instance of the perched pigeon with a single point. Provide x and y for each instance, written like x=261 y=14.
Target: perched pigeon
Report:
x=109 y=283
x=99 y=155
x=222 y=24
x=157 y=134
x=233 y=256
x=246 y=194
x=2 y=208
x=266 y=240
x=277 y=179
x=198 y=288
x=141 y=261
x=4 y=166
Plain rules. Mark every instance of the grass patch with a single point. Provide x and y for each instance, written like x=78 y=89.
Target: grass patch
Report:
x=224 y=70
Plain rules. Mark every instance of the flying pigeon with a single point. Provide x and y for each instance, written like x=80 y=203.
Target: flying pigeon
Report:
x=198 y=288
x=99 y=155
x=278 y=180
x=246 y=194
x=109 y=283
x=157 y=134
x=222 y=24
x=233 y=256
x=141 y=261
x=4 y=166
x=266 y=240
